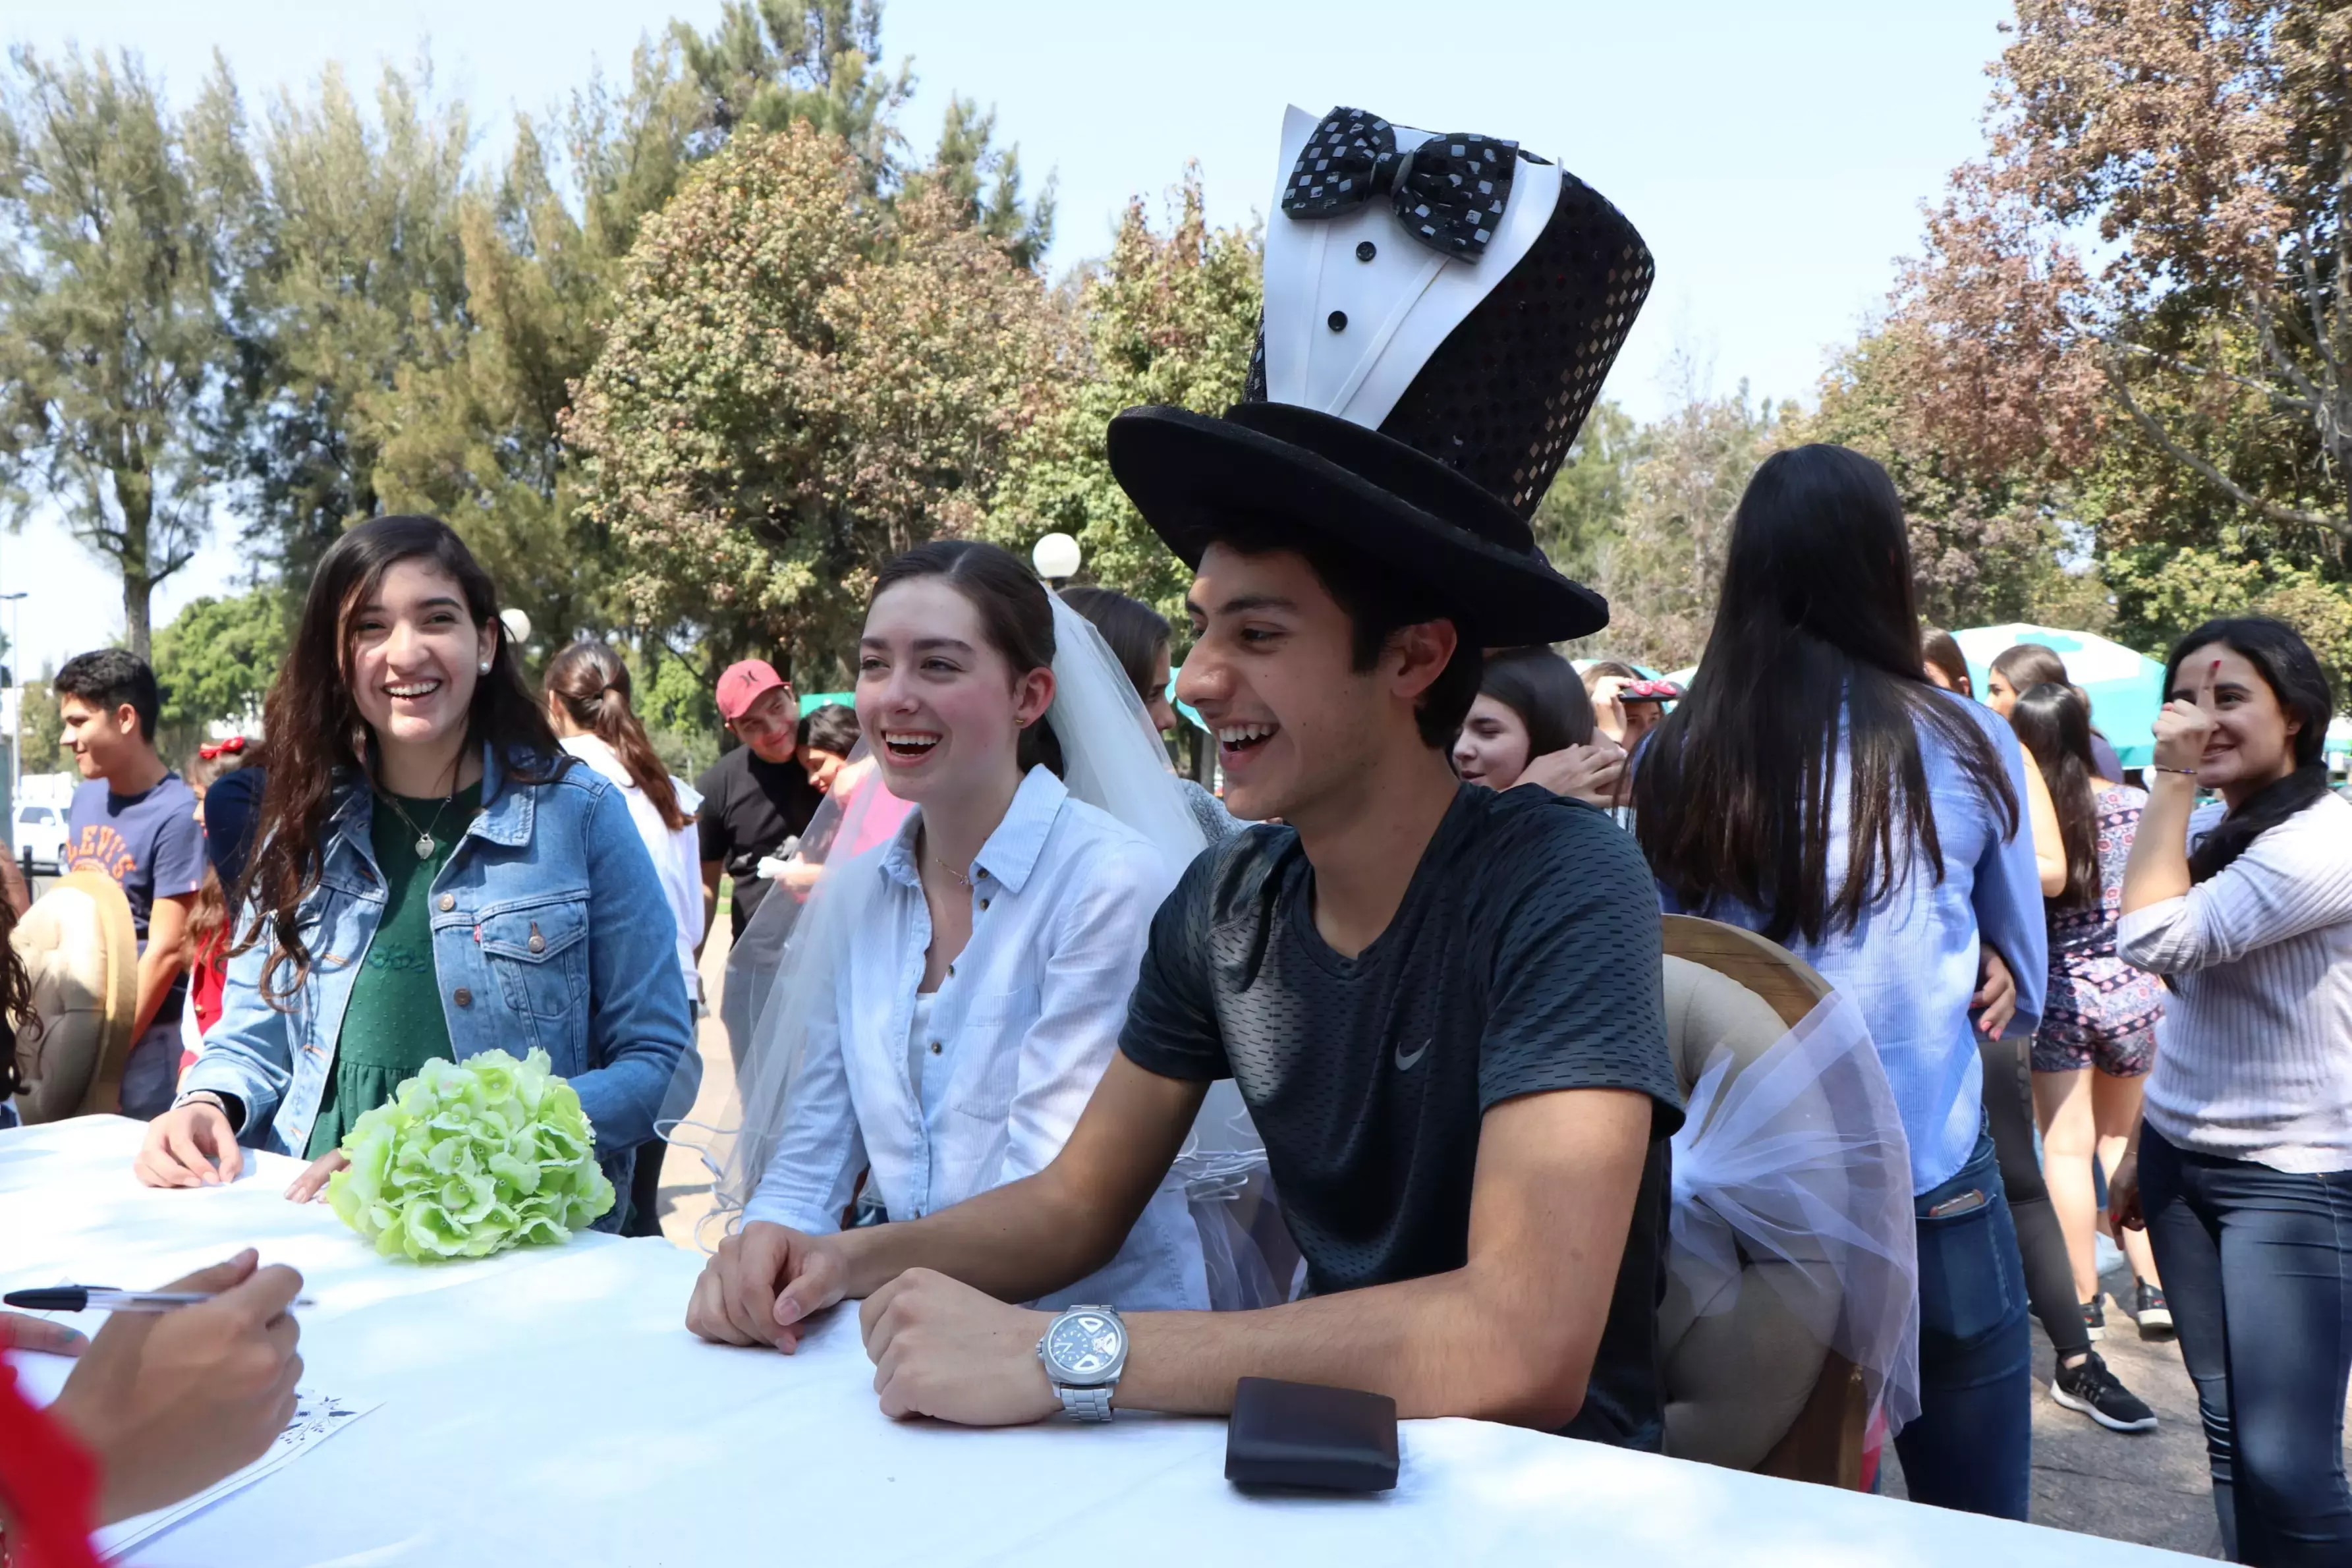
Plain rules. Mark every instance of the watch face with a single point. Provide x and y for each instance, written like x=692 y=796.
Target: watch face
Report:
x=1085 y=1345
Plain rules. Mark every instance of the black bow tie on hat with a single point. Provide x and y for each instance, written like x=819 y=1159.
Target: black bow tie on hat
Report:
x=1449 y=192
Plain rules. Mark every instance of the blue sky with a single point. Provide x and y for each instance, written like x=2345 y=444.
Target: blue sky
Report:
x=1774 y=156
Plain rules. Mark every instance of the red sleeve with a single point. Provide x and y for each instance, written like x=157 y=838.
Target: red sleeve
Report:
x=48 y=1481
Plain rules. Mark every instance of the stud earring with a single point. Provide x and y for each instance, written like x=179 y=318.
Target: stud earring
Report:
x=484 y=667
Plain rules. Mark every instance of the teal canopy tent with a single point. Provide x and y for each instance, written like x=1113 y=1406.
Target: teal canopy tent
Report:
x=2125 y=688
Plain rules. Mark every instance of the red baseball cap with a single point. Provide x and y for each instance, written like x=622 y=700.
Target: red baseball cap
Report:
x=744 y=683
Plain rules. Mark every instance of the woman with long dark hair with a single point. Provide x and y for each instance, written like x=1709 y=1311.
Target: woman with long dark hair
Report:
x=432 y=877
x=954 y=994
x=2020 y=667
x=2244 y=1164
x=1815 y=786
x=2098 y=1038
x=2097 y=1034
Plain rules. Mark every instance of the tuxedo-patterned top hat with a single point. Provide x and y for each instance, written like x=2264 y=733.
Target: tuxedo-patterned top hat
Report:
x=1440 y=312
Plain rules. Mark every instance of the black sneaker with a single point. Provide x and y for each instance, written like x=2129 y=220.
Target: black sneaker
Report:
x=2154 y=1317
x=2092 y=1389
x=2095 y=1317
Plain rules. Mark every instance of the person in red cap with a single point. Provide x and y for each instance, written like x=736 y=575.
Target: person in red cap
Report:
x=758 y=794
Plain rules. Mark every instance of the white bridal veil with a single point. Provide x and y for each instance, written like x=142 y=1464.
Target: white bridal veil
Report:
x=1112 y=758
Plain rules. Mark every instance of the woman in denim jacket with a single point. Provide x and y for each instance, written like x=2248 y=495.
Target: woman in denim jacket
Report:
x=432 y=877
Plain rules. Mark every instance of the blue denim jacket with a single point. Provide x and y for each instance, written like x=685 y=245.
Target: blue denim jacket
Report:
x=549 y=929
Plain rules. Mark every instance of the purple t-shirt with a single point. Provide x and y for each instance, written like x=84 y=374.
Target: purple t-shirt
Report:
x=150 y=843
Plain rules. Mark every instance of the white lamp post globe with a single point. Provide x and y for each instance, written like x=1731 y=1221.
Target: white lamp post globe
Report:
x=1056 y=556
x=517 y=625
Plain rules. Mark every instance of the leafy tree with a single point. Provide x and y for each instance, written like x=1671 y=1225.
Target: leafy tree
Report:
x=984 y=182
x=1586 y=504
x=352 y=277
x=215 y=661
x=1170 y=318
x=773 y=63
x=799 y=380
x=112 y=265
x=1984 y=545
x=1661 y=572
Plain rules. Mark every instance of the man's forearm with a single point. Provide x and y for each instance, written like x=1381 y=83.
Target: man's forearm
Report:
x=1017 y=1242
x=1441 y=1345
x=157 y=971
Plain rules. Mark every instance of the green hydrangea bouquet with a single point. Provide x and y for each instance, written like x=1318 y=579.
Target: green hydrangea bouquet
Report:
x=472 y=1158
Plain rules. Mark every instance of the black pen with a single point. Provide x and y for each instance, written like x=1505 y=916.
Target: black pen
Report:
x=107 y=1298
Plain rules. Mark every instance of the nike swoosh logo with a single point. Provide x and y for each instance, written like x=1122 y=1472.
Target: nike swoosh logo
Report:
x=1405 y=1063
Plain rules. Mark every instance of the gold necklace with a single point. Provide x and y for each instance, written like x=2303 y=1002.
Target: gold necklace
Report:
x=943 y=864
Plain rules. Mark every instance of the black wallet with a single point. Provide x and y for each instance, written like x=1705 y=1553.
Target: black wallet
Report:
x=1304 y=1434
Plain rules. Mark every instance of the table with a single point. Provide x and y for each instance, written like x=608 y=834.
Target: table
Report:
x=548 y=1407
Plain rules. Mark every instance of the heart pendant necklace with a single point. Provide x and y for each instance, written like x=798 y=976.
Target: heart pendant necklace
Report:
x=425 y=842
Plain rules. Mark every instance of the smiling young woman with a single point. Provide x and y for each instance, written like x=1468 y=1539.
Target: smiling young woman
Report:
x=965 y=980
x=431 y=877
x=2242 y=1169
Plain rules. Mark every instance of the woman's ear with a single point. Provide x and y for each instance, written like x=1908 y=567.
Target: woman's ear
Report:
x=1031 y=695
x=486 y=640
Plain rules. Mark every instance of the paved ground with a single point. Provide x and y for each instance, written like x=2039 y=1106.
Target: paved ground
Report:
x=2150 y=1489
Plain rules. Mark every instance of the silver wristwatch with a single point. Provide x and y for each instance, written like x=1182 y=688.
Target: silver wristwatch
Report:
x=1084 y=1351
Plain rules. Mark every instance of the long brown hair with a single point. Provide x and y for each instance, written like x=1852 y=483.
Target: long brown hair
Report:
x=319 y=743
x=2054 y=724
x=588 y=678
x=1815 y=651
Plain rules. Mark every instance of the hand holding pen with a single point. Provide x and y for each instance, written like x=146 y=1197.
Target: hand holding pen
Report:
x=172 y=1400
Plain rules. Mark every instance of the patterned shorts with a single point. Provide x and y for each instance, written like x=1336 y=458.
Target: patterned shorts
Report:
x=2128 y=1053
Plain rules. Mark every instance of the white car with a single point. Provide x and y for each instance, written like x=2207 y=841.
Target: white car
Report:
x=40 y=837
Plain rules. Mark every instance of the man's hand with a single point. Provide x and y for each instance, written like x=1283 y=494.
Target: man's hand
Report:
x=1593 y=773
x=764 y=1283
x=171 y=1402
x=942 y=1349
x=189 y=1147
x=1996 y=993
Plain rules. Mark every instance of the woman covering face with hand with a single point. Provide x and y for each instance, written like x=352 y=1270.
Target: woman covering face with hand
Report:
x=1531 y=706
x=954 y=994
x=432 y=877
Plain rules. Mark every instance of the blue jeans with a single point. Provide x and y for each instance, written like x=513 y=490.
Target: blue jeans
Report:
x=2257 y=1266
x=1971 y=1446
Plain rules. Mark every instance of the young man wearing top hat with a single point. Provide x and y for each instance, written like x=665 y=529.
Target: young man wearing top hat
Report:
x=1441 y=1004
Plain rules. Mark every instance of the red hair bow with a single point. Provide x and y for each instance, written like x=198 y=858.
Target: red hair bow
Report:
x=212 y=750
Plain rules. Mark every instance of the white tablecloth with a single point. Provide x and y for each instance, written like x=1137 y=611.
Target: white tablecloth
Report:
x=546 y=1407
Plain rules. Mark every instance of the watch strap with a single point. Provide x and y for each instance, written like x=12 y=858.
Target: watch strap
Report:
x=1086 y=1403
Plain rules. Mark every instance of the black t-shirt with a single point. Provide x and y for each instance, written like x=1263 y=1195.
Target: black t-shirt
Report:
x=1524 y=957
x=750 y=806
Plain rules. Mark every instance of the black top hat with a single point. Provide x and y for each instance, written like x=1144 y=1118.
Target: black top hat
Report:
x=1440 y=312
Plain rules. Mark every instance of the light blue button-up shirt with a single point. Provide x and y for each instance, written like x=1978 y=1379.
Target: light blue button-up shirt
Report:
x=1910 y=962
x=1020 y=1030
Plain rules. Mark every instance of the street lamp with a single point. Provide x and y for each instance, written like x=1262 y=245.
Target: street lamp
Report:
x=1057 y=558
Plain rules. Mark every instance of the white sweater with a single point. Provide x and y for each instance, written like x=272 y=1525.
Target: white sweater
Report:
x=2253 y=1057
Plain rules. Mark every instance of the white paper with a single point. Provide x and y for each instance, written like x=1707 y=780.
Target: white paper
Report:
x=317 y=1416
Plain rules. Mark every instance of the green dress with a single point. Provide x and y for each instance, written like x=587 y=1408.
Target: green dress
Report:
x=395 y=1025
